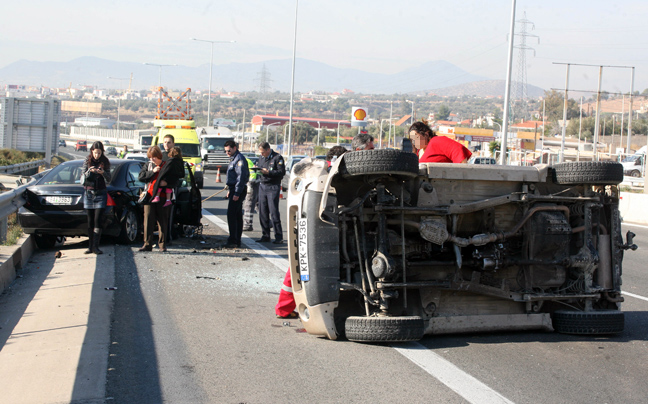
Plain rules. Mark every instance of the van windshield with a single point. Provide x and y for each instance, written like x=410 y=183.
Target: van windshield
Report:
x=188 y=149
x=217 y=144
x=147 y=140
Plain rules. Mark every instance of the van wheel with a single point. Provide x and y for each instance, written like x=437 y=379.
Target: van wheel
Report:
x=589 y=172
x=588 y=323
x=384 y=329
x=396 y=162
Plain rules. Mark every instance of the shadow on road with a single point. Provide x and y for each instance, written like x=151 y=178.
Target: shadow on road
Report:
x=635 y=326
x=133 y=375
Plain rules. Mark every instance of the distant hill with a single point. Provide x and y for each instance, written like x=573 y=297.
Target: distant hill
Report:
x=309 y=75
x=486 y=88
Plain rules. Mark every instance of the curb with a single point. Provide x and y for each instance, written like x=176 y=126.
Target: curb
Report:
x=14 y=257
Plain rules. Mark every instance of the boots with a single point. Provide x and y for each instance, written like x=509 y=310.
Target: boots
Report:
x=96 y=240
x=90 y=242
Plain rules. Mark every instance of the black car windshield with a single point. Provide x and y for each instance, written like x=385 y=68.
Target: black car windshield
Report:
x=69 y=173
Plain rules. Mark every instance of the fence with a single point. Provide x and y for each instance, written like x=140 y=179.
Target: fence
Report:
x=114 y=135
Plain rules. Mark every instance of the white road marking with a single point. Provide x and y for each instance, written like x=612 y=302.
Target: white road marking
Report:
x=635 y=225
x=456 y=379
x=635 y=296
x=279 y=261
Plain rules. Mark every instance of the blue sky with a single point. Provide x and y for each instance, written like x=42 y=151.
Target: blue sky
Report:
x=372 y=35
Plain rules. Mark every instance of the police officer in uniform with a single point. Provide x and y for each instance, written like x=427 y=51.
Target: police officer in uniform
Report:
x=238 y=175
x=272 y=171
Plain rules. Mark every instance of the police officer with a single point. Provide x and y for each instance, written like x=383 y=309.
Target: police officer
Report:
x=251 y=199
x=272 y=171
x=238 y=175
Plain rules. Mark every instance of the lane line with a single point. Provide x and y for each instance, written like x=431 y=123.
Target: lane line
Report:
x=456 y=379
x=635 y=225
x=276 y=259
x=635 y=296
x=443 y=370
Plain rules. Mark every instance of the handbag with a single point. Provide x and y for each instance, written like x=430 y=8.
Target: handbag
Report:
x=144 y=198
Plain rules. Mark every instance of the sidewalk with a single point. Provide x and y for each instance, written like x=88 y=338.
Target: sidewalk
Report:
x=55 y=327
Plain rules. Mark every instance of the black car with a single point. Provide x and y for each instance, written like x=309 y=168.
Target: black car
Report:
x=61 y=143
x=111 y=151
x=54 y=205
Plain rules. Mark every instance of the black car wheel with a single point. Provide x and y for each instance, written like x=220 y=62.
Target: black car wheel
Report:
x=44 y=241
x=130 y=228
x=635 y=173
x=384 y=329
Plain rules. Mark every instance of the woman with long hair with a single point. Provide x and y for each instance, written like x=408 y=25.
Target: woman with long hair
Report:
x=96 y=168
x=157 y=175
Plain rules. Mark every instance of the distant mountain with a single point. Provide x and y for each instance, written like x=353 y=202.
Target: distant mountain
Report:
x=486 y=88
x=309 y=75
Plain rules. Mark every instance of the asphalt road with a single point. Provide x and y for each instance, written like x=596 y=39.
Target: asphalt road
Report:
x=197 y=325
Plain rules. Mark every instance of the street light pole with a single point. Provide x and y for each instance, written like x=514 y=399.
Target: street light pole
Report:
x=211 y=62
x=412 y=117
x=292 y=82
x=391 y=110
x=118 y=101
x=160 y=72
x=268 y=128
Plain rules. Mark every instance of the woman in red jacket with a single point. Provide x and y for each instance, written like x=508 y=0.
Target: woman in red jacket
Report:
x=436 y=149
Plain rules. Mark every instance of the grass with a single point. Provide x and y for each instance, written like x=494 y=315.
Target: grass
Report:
x=14 y=231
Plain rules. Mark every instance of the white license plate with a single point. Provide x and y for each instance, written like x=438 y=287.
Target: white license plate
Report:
x=58 y=200
x=302 y=250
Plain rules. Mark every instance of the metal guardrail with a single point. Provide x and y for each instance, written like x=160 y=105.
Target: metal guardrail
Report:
x=16 y=168
x=12 y=200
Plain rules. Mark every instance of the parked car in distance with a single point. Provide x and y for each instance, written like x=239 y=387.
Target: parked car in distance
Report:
x=62 y=143
x=111 y=151
x=136 y=156
x=482 y=160
x=81 y=145
x=106 y=142
x=292 y=160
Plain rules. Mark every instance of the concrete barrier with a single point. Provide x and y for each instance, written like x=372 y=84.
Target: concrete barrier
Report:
x=14 y=257
x=633 y=207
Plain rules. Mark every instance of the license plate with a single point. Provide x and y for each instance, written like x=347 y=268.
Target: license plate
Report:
x=302 y=249
x=58 y=200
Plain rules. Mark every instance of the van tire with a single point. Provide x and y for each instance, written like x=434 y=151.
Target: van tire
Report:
x=588 y=172
x=384 y=329
x=384 y=161
x=588 y=323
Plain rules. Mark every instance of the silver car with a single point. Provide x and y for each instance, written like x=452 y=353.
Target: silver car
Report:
x=382 y=248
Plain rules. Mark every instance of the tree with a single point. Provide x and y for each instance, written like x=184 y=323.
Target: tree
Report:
x=443 y=112
x=554 y=104
x=494 y=147
x=303 y=132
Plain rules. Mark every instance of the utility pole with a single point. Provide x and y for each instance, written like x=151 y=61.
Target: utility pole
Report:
x=507 y=92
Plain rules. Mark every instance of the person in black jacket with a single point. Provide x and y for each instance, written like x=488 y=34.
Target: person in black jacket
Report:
x=272 y=171
x=157 y=174
x=96 y=168
x=238 y=175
